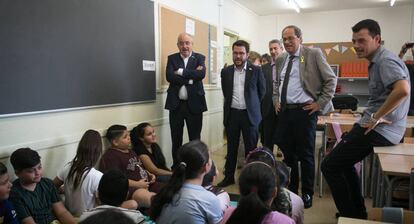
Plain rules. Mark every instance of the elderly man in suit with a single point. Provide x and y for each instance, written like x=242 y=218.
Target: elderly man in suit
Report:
x=185 y=100
x=306 y=84
x=243 y=88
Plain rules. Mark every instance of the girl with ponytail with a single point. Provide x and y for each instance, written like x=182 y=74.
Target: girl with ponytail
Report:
x=258 y=188
x=183 y=199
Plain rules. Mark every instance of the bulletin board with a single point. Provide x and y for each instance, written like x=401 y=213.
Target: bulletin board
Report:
x=337 y=52
x=173 y=23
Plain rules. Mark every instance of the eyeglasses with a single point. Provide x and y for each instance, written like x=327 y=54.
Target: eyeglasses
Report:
x=289 y=39
x=182 y=43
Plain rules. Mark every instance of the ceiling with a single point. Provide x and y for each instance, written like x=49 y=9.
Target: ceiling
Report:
x=271 y=7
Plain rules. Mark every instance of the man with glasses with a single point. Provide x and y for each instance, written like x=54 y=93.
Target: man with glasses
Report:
x=185 y=99
x=243 y=89
x=306 y=85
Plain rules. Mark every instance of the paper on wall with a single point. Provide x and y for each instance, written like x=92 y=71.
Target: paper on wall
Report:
x=148 y=65
x=190 y=26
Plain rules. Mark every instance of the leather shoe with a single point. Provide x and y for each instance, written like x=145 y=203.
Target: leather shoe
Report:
x=225 y=182
x=307 y=200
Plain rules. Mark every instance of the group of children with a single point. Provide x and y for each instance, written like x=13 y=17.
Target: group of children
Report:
x=133 y=179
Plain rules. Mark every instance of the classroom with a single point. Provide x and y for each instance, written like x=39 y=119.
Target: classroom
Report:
x=118 y=73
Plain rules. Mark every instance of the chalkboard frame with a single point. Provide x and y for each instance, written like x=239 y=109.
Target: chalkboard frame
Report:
x=34 y=79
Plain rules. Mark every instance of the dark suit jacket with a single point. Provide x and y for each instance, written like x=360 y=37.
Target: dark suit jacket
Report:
x=254 y=90
x=267 y=102
x=196 y=99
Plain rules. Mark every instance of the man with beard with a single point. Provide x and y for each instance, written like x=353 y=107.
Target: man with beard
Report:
x=243 y=89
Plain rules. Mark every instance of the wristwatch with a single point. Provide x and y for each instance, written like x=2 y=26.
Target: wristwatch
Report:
x=374 y=120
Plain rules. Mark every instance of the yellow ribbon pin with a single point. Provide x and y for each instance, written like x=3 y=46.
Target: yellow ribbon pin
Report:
x=302 y=59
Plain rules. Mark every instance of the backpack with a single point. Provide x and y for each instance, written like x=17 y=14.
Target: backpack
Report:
x=341 y=102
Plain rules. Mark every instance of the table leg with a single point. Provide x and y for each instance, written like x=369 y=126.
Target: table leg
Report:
x=322 y=155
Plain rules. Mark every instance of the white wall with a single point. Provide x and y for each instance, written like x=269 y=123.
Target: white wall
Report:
x=268 y=31
x=241 y=20
x=55 y=135
x=335 y=26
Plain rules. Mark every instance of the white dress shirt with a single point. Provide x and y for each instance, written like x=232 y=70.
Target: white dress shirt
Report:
x=238 y=101
x=182 y=93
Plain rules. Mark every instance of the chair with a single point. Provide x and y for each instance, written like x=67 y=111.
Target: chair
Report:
x=391 y=215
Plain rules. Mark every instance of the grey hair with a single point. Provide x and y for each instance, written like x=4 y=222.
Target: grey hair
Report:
x=275 y=41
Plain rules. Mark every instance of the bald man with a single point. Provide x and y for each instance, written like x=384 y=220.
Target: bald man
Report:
x=185 y=100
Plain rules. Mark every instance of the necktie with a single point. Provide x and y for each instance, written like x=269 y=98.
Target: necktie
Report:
x=285 y=83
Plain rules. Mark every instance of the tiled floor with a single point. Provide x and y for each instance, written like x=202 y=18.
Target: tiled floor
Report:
x=323 y=209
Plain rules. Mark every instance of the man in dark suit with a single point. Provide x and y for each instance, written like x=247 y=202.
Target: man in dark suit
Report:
x=268 y=125
x=305 y=87
x=243 y=89
x=185 y=98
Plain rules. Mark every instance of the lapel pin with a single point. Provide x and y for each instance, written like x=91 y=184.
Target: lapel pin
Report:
x=302 y=59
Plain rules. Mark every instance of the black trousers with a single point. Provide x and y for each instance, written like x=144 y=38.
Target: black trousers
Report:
x=268 y=130
x=295 y=135
x=338 y=170
x=194 y=124
x=238 y=122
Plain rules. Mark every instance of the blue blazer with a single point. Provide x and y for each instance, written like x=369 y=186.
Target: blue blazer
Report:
x=196 y=95
x=254 y=91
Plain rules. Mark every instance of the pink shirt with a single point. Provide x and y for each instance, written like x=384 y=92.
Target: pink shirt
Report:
x=297 y=207
x=271 y=218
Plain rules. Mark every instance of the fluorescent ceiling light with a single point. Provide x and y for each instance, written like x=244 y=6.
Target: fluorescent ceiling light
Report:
x=392 y=2
x=295 y=5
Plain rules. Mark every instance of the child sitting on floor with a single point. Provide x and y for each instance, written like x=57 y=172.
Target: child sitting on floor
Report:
x=79 y=177
x=7 y=212
x=222 y=195
x=112 y=197
x=35 y=198
x=145 y=145
x=258 y=188
x=183 y=199
x=141 y=182
x=286 y=201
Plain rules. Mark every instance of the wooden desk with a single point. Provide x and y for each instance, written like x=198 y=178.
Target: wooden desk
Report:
x=343 y=220
x=394 y=167
x=400 y=149
x=410 y=122
x=340 y=118
x=351 y=119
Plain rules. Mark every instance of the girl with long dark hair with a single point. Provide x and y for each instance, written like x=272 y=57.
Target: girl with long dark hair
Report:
x=183 y=199
x=79 y=176
x=258 y=188
x=145 y=145
x=286 y=202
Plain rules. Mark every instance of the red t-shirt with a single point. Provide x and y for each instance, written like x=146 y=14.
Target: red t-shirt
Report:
x=126 y=162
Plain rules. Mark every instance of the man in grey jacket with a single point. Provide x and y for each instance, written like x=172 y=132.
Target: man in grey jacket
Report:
x=305 y=86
